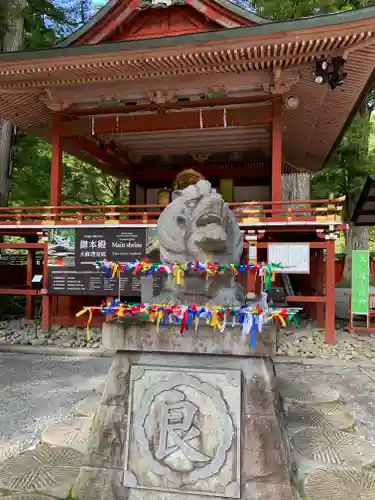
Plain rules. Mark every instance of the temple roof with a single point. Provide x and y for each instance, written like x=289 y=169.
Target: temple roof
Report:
x=116 y=12
x=265 y=60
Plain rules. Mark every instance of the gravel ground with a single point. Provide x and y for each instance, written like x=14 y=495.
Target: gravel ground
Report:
x=39 y=390
x=23 y=332
x=307 y=341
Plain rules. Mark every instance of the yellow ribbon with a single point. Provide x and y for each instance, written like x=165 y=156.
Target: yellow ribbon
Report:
x=121 y=310
x=178 y=274
x=234 y=269
x=279 y=317
x=147 y=266
x=214 y=321
x=84 y=311
x=159 y=317
x=114 y=270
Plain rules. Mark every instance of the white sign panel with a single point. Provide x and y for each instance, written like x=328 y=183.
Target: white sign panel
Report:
x=293 y=257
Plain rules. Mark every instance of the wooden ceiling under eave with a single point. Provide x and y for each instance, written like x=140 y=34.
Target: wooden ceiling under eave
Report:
x=255 y=59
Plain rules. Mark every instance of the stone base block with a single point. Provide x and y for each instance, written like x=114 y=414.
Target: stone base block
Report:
x=174 y=426
x=132 y=334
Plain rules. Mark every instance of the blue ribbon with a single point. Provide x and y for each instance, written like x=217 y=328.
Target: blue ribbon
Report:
x=149 y=271
x=253 y=333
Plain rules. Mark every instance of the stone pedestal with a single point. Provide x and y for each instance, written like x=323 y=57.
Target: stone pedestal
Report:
x=177 y=426
x=131 y=334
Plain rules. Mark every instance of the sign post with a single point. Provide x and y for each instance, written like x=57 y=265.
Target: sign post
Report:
x=360 y=282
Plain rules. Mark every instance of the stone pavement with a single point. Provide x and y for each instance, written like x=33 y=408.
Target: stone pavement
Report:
x=39 y=390
x=48 y=404
x=329 y=414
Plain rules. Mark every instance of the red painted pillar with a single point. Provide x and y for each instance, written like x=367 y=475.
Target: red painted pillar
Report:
x=46 y=299
x=320 y=308
x=56 y=163
x=330 y=292
x=277 y=150
x=29 y=278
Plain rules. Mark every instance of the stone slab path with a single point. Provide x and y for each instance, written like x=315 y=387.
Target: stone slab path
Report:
x=37 y=391
x=329 y=415
x=48 y=403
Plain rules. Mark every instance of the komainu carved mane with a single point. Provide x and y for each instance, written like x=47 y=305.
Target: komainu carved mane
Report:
x=198 y=226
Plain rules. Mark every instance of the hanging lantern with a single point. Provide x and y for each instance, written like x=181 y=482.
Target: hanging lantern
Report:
x=164 y=196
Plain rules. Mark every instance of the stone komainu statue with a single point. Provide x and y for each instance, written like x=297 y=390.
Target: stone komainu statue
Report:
x=199 y=226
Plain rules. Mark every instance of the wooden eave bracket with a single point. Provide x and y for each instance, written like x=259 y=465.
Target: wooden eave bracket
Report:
x=282 y=81
x=54 y=104
x=161 y=96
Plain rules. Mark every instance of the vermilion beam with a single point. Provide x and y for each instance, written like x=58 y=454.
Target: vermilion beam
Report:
x=104 y=154
x=158 y=122
x=207 y=172
x=188 y=105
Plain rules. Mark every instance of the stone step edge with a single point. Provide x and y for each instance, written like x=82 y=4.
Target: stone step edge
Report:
x=94 y=352
x=304 y=360
x=98 y=352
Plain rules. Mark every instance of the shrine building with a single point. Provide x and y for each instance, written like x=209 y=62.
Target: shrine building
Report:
x=146 y=90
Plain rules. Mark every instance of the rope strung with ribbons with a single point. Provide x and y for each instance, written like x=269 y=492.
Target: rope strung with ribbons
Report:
x=250 y=319
x=178 y=271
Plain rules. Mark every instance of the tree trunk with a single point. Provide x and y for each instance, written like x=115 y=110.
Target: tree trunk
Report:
x=296 y=186
x=357 y=236
x=11 y=42
x=356 y=239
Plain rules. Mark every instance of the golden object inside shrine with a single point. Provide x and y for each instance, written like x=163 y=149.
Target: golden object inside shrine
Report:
x=164 y=196
x=187 y=178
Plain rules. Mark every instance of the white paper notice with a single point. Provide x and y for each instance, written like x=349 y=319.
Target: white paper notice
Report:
x=293 y=257
x=252 y=252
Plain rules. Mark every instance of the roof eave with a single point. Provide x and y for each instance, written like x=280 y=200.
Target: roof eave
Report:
x=368 y=185
x=261 y=30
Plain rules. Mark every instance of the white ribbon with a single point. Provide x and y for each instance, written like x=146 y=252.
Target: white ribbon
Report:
x=260 y=323
x=223 y=326
x=246 y=327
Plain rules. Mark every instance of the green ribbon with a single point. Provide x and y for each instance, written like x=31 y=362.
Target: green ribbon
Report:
x=294 y=317
x=267 y=278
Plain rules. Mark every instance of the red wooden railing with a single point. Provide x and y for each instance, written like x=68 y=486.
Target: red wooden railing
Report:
x=246 y=213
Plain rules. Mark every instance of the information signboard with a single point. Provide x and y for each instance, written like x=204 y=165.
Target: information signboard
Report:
x=72 y=261
x=294 y=258
x=117 y=245
x=360 y=282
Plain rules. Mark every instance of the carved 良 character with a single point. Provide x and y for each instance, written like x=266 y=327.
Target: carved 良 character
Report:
x=177 y=429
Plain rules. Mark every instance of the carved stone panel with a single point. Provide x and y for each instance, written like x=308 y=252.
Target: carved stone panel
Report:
x=184 y=431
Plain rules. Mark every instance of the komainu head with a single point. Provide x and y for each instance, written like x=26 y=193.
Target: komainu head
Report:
x=198 y=225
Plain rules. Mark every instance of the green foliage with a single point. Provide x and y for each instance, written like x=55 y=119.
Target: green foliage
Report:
x=31 y=172
x=83 y=184
x=294 y=9
x=46 y=22
x=351 y=163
